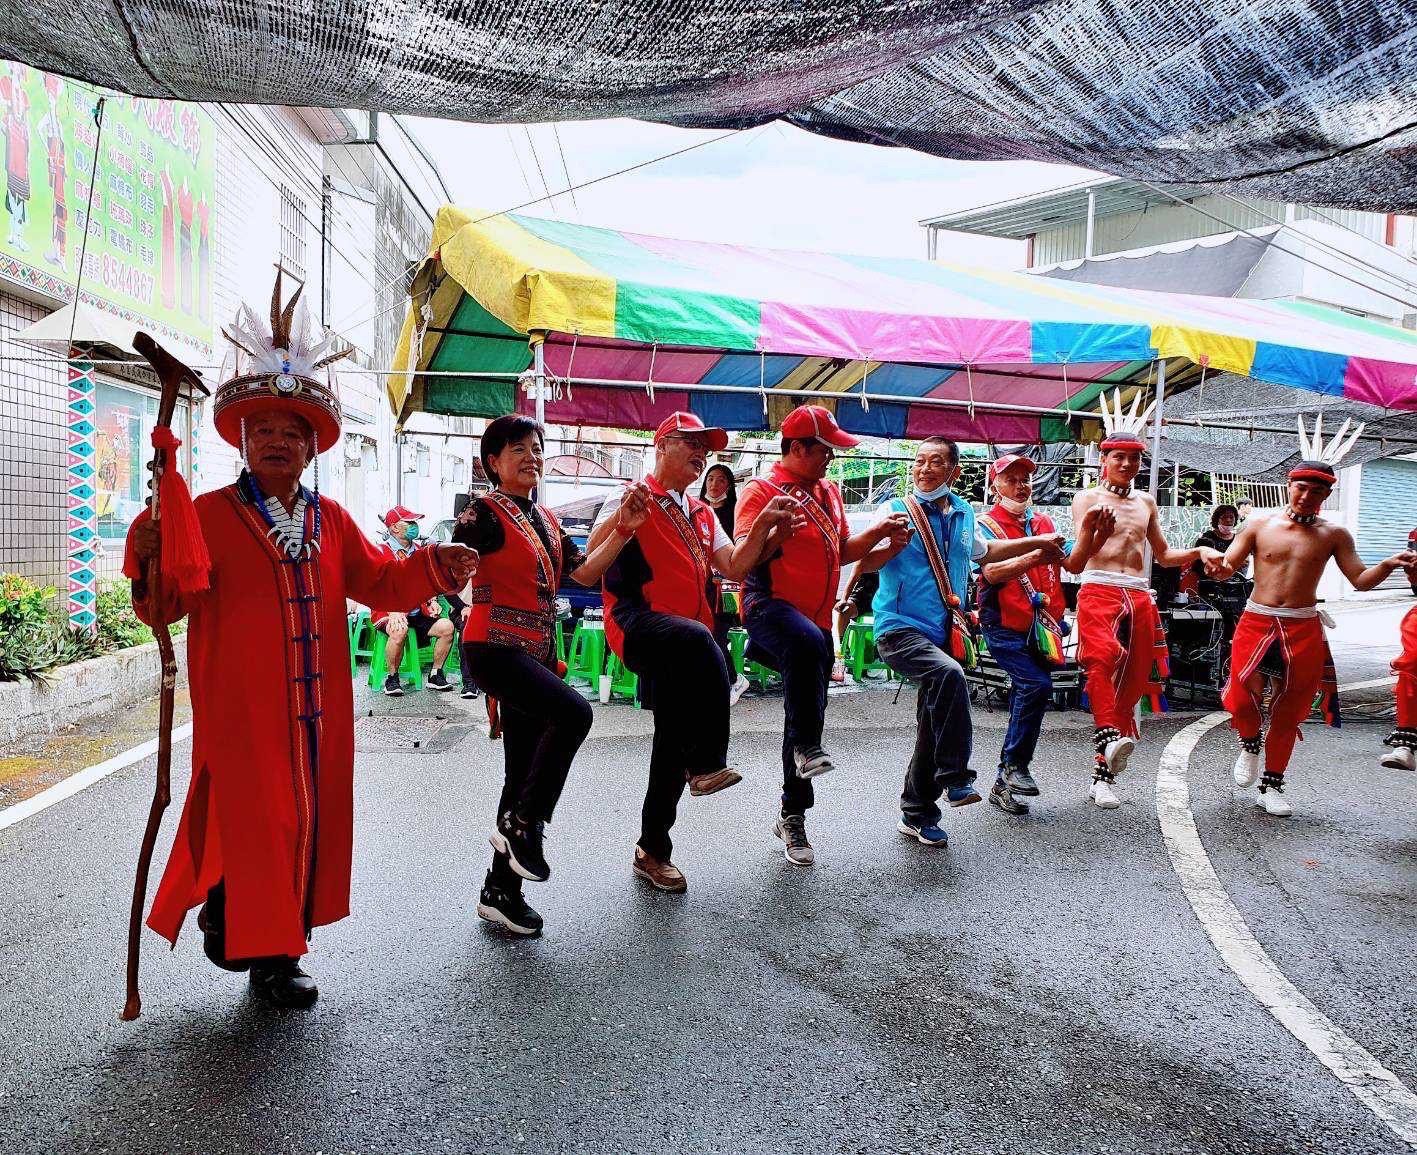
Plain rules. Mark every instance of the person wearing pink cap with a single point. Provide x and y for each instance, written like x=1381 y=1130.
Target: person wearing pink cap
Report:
x=426 y=621
x=659 y=605
x=789 y=596
x=1020 y=604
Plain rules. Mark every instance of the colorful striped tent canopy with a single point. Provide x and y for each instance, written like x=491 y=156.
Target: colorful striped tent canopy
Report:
x=635 y=327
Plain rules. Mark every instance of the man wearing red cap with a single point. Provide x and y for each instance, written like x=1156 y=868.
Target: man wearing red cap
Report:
x=426 y=620
x=789 y=596
x=659 y=603
x=1121 y=641
x=1020 y=606
x=266 y=833
x=1403 y=739
x=1280 y=636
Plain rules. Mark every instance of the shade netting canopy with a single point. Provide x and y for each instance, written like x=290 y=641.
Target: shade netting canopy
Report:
x=634 y=327
x=1300 y=100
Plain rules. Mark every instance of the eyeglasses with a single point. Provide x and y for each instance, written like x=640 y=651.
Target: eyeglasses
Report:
x=690 y=440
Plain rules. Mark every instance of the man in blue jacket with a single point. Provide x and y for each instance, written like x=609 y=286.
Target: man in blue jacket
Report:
x=924 y=587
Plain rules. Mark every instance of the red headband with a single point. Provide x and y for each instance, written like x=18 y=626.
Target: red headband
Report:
x=1122 y=441
x=1313 y=471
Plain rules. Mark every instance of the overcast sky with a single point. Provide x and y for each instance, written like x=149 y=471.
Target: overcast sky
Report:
x=775 y=185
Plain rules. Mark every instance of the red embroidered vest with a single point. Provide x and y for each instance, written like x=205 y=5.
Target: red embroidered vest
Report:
x=514 y=592
x=678 y=552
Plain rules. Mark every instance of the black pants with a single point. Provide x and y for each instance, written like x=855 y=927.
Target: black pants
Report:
x=944 y=729
x=801 y=651
x=544 y=722
x=684 y=680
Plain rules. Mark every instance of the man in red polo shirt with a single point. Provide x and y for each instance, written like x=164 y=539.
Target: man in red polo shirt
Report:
x=788 y=599
x=659 y=601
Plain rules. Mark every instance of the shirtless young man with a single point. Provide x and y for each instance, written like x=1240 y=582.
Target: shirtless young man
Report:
x=1280 y=635
x=1118 y=627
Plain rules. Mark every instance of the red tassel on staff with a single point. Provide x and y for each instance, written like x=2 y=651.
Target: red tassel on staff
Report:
x=185 y=560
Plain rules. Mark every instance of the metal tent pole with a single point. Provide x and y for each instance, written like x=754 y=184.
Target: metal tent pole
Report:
x=1156 y=426
x=538 y=353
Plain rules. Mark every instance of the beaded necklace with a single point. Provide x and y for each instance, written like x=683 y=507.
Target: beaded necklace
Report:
x=286 y=527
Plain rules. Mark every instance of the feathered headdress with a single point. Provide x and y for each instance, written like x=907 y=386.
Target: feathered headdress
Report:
x=1123 y=430
x=1317 y=461
x=283 y=364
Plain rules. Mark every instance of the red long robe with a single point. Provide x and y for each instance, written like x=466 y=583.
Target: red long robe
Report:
x=271 y=804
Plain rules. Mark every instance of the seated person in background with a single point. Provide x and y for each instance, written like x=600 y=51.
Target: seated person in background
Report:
x=426 y=621
x=855 y=603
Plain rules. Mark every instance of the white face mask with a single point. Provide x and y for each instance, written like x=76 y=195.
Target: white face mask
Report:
x=934 y=494
x=1017 y=508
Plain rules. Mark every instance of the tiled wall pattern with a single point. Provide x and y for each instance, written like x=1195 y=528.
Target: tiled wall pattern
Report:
x=32 y=451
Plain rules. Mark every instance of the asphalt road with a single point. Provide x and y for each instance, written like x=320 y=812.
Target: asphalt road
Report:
x=1041 y=986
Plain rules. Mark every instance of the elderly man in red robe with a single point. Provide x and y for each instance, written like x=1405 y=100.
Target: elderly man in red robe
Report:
x=264 y=844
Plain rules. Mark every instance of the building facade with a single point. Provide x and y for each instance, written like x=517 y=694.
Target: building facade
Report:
x=191 y=209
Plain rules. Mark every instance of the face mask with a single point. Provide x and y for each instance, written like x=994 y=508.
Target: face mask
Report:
x=1017 y=508
x=411 y=533
x=1225 y=530
x=934 y=494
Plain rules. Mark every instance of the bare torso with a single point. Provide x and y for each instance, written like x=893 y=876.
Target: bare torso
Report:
x=1125 y=550
x=1290 y=559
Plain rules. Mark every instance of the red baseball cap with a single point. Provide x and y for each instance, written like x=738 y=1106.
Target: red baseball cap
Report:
x=816 y=423
x=681 y=422
x=400 y=513
x=1007 y=462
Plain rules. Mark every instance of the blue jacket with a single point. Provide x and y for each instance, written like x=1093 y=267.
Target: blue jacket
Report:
x=908 y=596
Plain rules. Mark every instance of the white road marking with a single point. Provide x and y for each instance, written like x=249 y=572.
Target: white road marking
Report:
x=1379 y=1089
x=85 y=778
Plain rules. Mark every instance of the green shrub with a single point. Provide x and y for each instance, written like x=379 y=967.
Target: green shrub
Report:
x=118 y=625
x=34 y=637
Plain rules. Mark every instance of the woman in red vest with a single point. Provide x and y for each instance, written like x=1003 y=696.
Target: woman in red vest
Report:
x=508 y=648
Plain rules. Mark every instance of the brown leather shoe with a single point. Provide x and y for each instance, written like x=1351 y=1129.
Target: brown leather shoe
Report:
x=660 y=875
x=713 y=781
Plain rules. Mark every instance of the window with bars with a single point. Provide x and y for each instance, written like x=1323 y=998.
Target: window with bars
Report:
x=292 y=231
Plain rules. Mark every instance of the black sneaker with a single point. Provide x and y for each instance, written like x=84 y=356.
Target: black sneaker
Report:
x=393 y=687
x=1002 y=797
x=282 y=983
x=520 y=840
x=811 y=761
x=1020 y=781
x=437 y=680
x=468 y=690
x=507 y=910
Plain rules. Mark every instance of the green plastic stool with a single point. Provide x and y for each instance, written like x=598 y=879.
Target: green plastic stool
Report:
x=410 y=664
x=624 y=682
x=587 y=660
x=361 y=640
x=737 y=644
x=860 y=646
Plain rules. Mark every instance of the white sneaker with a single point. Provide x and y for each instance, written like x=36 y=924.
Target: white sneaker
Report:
x=1399 y=758
x=1273 y=802
x=1100 y=795
x=737 y=690
x=1116 y=752
x=1247 y=768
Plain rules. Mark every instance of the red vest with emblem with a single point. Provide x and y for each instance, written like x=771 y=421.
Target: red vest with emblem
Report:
x=1015 y=608
x=807 y=568
x=678 y=553
x=514 y=591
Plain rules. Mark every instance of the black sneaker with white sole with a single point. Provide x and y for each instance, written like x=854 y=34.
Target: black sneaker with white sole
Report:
x=509 y=911
x=393 y=687
x=468 y=690
x=520 y=839
x=811 y=761
x=438 y=680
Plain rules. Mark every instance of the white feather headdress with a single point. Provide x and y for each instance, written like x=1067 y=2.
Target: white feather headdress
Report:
x=1312 y=448
x=1124 y=427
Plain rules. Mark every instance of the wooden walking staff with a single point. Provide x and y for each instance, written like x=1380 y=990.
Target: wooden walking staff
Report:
x=183 y=562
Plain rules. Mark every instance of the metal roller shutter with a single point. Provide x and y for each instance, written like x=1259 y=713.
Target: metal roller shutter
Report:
x=1387 y=508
